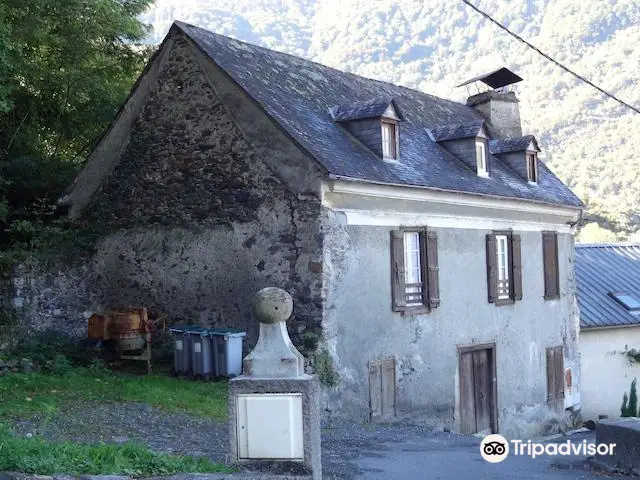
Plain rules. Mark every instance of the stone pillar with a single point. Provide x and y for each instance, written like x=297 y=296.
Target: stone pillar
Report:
x=274 y=407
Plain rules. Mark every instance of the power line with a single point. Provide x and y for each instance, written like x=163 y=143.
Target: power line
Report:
x=566 y=69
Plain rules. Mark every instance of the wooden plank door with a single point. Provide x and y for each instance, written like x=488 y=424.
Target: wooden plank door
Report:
x=467 y=394
x=555 y=378
x=477 y=390
x=482 y=385
x=382 y=388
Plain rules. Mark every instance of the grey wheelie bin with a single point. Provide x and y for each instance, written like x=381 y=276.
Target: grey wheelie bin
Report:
x=201 y=352
x=182 y=362
x=227 y=351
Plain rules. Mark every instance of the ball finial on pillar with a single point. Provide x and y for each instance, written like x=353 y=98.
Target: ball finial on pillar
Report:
x=274 y=355
x=272 y=305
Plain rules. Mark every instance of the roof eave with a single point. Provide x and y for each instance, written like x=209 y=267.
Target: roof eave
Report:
x=459 y=192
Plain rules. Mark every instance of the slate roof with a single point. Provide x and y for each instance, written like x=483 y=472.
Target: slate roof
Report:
x=360 y=110
x=298 y=94
x=456 y=131
x=506 y=145
x=601 y=269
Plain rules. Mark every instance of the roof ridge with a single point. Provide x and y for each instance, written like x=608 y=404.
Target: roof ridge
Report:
x=180 y=23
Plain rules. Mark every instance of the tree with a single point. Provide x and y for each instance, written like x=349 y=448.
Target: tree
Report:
x=594 y=233
x=630 y=409
x=65 y=68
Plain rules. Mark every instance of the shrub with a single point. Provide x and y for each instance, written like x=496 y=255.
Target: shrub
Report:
x=630 y=403
x=53 y=352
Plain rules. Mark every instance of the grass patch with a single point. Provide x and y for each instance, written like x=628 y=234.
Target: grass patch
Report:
x=37 y=456
x=24 y=395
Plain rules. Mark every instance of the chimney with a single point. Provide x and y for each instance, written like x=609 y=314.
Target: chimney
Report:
x=497 y=105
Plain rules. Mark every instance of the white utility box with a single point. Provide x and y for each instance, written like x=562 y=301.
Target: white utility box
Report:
x=269 y=426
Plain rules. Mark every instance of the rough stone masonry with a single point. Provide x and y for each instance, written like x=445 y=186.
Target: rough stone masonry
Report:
x=193 y=223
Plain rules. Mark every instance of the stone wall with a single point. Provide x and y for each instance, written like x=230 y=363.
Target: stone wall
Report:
x=193 y=221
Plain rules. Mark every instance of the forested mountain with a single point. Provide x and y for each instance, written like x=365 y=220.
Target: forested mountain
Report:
x=590 y=141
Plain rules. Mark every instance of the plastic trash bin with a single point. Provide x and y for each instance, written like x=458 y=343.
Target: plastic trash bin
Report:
x=182 y=362
x=227 y=351
x=201 y=357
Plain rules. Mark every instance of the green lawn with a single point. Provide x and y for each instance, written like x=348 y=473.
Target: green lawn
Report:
x=37 y=456
x=43 y=395
x=28 y=394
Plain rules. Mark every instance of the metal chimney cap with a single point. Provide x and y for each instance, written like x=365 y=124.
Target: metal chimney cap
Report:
x=496 y=79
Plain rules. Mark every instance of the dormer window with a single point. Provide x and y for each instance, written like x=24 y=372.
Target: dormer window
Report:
x=389 y=140
x=481 y=158
x=532 y=167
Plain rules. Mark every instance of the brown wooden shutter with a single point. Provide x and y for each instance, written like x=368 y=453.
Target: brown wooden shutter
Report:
x=516 y=266
x=492 y=269
x=382 y=388
x=375 y=389
x=555 y=377
x=399 y=301
x=433 y=271
x=550 y=261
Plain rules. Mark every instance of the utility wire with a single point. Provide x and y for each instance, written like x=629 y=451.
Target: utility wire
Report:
x=566 y=69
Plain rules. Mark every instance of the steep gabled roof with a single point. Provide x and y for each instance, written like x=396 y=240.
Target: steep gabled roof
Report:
x=518 y=144
x=600 y=270
x=298 y=95
x=456 y=131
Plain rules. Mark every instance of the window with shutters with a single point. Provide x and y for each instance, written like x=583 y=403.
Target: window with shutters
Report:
x=502 y=253
x=504 y=268
x=550 y=263
x=414 y=270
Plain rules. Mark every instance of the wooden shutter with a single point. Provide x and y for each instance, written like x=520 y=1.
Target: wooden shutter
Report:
x=550 y=261
x=516 y=267
x=555 y=378
x=375 y=389
x=492 y=269
x=398 y=298
x=433 y=270
x=382 y=388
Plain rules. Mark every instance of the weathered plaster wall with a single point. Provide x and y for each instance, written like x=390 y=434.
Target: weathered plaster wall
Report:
x=195 y=221
x=606 y=369
x=361 y=327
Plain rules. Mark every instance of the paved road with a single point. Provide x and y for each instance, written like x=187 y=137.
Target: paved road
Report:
x=408 y=453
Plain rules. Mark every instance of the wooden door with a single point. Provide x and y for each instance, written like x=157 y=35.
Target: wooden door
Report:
x=382 y=388
x=555 y=378
x=477 y=390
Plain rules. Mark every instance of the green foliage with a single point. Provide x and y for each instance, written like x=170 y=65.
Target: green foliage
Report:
x=53 y=352
x=65 y=69
x=323 y=367
x=594 y=233
x=632 y=408
x=37 y=456
x=29 y=394
x=630 y=403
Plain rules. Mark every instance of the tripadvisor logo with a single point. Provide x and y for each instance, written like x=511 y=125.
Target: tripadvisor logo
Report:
x=494 y=448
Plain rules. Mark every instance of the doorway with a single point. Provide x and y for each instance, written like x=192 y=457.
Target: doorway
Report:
x=478 y=392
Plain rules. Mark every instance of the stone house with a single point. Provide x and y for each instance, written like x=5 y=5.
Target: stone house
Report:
x=608 y=287
x=428 y=250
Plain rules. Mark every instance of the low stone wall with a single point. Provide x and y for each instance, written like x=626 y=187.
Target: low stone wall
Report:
x=625 y=434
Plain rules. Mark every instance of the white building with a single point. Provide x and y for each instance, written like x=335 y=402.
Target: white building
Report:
x=608 y=281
